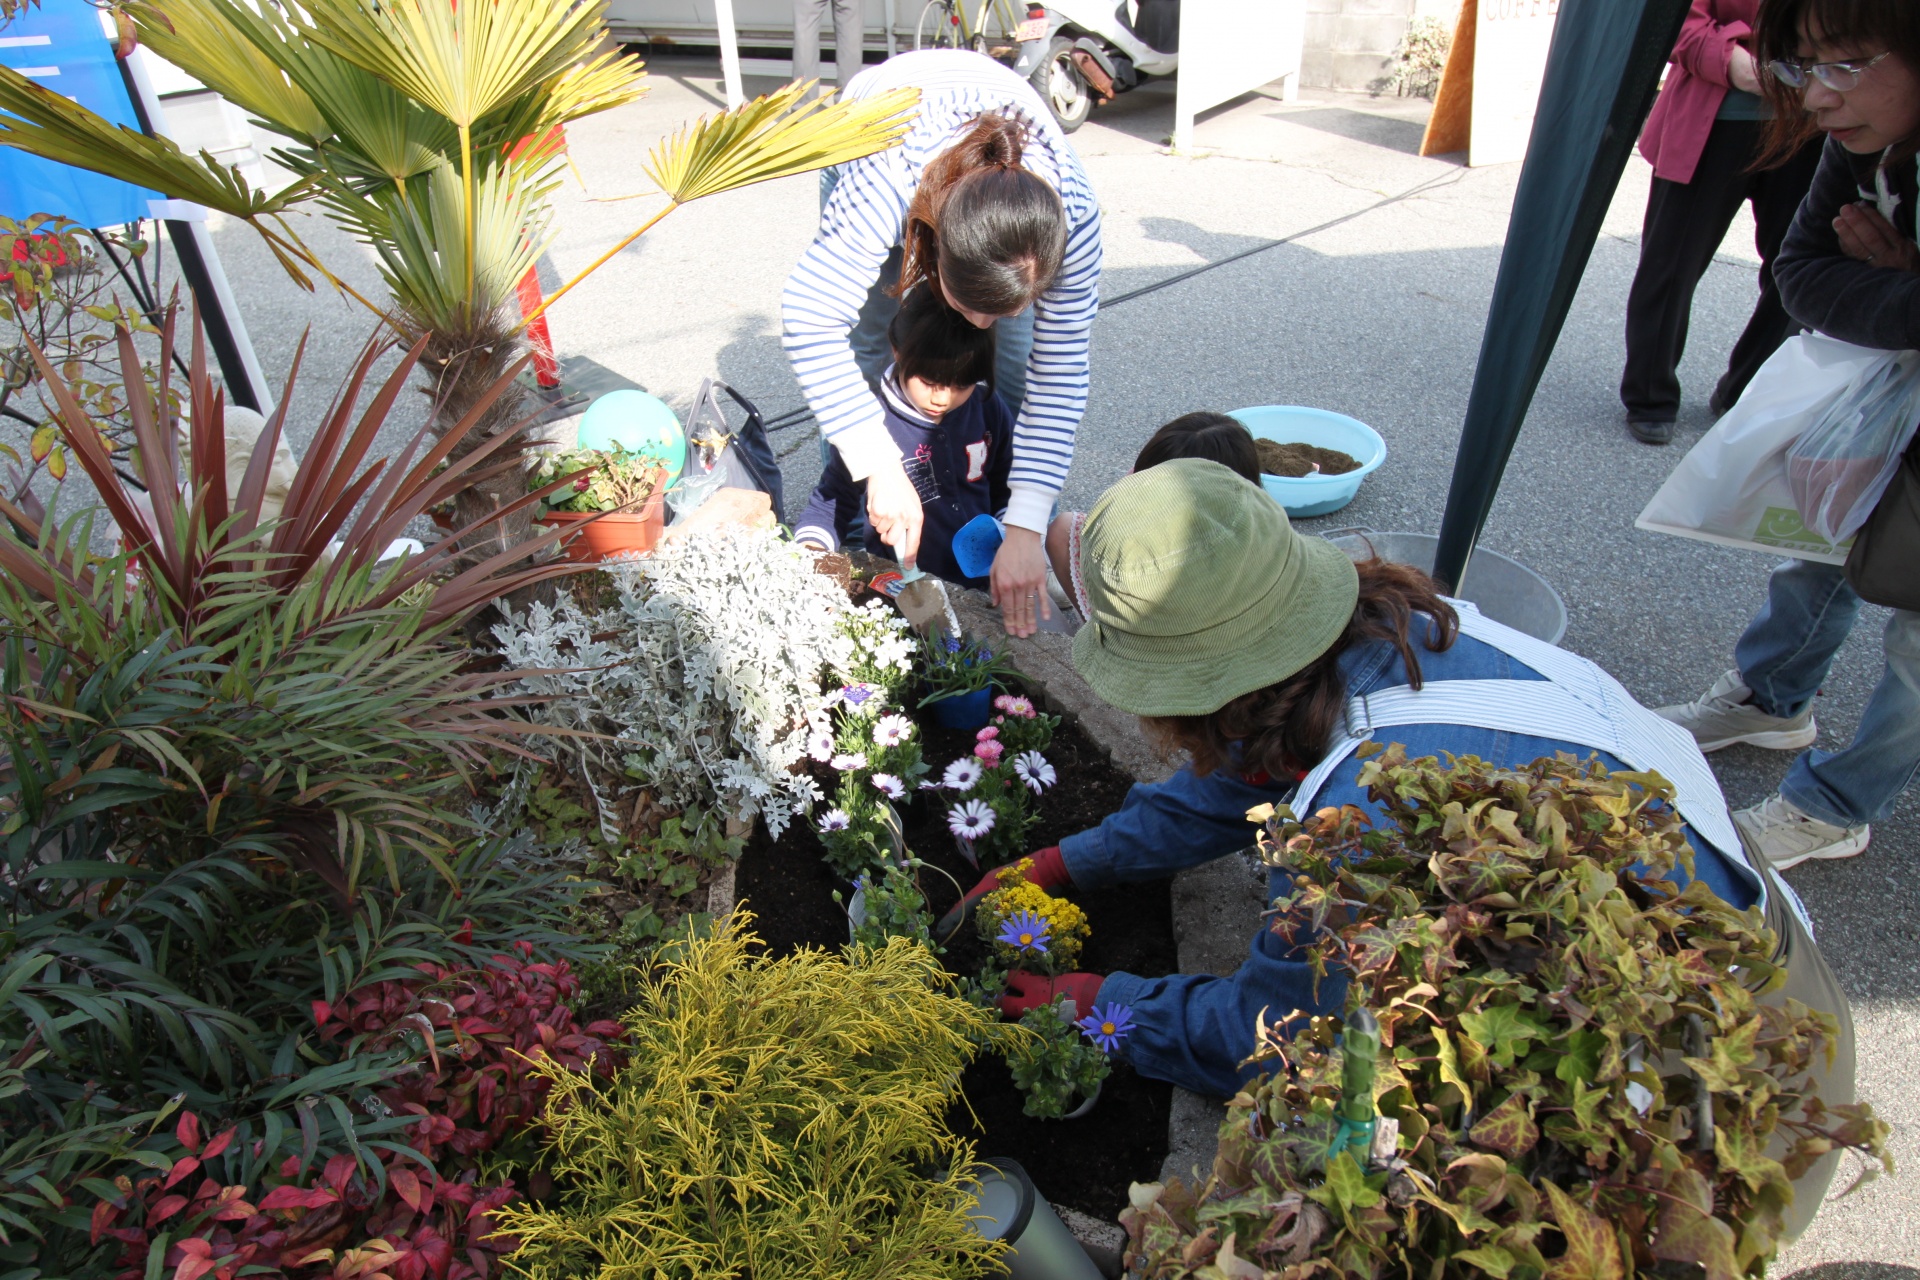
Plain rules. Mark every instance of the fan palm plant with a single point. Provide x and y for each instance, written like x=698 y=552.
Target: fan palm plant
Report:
x=429 y=129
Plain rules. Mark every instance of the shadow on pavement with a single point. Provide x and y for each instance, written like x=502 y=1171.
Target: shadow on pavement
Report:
x=1391 y=132
x=1854 y=1271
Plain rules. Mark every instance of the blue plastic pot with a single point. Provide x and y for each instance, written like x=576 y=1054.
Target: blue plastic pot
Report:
x=1295 y=424
x=963 y=710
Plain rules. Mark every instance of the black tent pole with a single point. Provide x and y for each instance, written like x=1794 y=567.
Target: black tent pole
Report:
x=1602 y=71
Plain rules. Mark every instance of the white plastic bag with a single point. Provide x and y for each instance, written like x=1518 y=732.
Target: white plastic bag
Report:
x=1732 y=487
x=1841 y=465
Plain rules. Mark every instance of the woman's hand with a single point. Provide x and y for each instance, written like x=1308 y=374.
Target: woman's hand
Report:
x=1742 y=71
x=1020 y=581
x=1866 y=234
x=893 y=510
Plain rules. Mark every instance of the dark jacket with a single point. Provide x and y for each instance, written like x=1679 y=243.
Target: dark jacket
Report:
x=1842 y=297
x=958 y=466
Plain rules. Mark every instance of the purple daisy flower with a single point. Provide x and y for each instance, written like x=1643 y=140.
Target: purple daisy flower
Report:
x=1107 y=1026
x=963 y=774
x=889 y=786
x=1024 y=931
x=834 y=820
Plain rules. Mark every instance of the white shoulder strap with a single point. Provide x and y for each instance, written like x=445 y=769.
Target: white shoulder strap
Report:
x=1577 y=702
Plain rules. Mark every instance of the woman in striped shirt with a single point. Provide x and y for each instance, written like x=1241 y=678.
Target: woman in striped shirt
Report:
x=985 y=199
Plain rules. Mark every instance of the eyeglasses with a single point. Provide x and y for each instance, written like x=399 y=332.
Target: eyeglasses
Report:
x=1841 y=77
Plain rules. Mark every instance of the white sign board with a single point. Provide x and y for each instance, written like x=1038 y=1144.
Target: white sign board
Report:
x=1510 y=44
x=1230 y=47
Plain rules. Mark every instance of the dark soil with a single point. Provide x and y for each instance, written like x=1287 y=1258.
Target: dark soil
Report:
x=1296 y=460
x=1088 y=1163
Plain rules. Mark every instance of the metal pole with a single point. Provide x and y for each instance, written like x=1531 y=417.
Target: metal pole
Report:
x=729 y=53
x=214 y=303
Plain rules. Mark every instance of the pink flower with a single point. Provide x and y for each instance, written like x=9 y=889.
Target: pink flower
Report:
x=985 y=734
x=1020 y=708
x=988 y=752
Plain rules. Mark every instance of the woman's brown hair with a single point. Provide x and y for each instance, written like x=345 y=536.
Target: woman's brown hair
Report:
x=1874 y=26
x=1285 y=728
x=991 y=232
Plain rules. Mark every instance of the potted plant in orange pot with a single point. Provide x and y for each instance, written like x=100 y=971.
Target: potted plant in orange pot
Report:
x=614 y=500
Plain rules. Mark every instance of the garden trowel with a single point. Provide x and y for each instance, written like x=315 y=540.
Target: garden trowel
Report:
x=923 y=602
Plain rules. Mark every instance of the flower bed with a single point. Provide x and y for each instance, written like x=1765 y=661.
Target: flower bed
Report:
x=1085 y=1164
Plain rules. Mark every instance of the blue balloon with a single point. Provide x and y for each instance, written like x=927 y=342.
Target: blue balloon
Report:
x=638 y=423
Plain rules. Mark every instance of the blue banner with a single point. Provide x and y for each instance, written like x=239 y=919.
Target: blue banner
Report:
x=60 y=45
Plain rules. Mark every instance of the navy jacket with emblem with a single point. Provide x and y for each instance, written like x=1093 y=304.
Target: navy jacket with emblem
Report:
x=958 y=466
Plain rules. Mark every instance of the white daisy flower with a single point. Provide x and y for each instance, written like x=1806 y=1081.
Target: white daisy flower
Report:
x=970 y=820
x=835 y=820
x=850 y=760
x=1033 y=769
x=889 y=786
x=962 y=774
x=820 y=745
x=891 y=731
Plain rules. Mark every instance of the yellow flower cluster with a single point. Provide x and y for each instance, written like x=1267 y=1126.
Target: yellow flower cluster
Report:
x=1066 y=924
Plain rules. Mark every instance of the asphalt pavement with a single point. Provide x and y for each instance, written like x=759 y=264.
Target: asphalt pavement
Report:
x=1363 y=285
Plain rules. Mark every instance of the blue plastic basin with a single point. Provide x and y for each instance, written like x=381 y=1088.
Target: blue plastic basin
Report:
x=1296 y=424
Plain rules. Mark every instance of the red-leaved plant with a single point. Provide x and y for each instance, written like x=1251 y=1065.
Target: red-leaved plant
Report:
x=484 y=1030
x=423 y=1227
x=502 y=1019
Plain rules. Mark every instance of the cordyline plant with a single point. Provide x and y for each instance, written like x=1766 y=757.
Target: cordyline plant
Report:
x=1585 y=1079
x=282 y=685
x=431 y=131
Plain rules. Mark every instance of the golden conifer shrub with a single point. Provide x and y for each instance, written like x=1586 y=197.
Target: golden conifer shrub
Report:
x=774 y=1117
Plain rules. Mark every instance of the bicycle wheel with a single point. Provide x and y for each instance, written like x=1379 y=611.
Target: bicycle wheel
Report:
x=939 y=26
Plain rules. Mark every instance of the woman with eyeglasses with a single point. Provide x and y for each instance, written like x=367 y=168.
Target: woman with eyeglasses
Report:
x=1705 y=133
x=1848 y=69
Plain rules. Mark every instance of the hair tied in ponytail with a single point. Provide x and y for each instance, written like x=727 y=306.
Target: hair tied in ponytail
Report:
x=991 y=231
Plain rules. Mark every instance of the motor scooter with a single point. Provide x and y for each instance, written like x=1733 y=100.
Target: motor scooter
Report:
x=1094 y=50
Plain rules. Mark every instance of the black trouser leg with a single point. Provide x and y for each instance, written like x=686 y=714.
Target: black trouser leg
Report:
x=1685 y=223
x=1776 y=194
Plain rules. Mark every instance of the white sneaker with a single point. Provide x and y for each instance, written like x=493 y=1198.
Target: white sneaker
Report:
x=1787 y=836
x=1723 y=716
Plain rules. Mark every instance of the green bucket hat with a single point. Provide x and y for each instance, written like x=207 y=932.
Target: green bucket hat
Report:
x=1201 y=591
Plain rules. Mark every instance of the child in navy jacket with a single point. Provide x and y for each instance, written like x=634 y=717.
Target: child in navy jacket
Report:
x=954 y=433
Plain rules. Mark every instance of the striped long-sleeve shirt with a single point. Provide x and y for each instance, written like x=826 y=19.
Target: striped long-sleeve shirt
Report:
x=863 y=222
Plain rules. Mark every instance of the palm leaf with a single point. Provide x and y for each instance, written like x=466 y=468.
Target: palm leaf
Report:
x=55 y=128
x=217 y=44
x=775 y=137
x=462 y=60
x=422 y=233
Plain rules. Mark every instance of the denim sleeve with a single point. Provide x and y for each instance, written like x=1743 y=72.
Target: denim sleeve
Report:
x=1169 y=826
x=1196 y=1029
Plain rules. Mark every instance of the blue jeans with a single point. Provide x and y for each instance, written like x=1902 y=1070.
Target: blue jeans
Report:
x=1784 y=655
x=1194 y=1029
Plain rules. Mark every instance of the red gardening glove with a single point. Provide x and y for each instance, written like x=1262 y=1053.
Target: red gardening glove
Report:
x=1049 y=871
x=1031 y=990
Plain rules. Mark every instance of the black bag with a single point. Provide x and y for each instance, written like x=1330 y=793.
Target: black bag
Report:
x=1884 y=565
x=742 y=454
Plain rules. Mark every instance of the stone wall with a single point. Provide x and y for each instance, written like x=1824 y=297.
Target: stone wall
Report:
x=1350 y=43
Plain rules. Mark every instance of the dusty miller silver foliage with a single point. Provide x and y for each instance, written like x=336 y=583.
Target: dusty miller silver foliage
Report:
x=706 y=672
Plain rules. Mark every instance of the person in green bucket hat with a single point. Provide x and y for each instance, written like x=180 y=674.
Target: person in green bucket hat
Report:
x=1269 y=657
